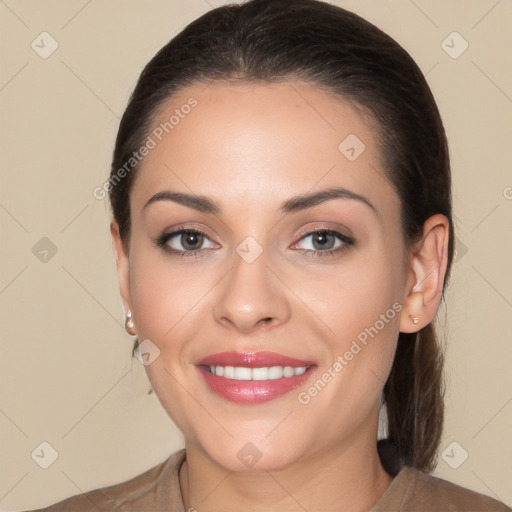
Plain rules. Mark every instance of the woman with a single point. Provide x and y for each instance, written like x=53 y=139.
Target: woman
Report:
x=283 y=234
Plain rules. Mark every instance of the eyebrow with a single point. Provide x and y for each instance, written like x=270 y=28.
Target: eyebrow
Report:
x=298 y=203
x=200 y=203
x=294 y=204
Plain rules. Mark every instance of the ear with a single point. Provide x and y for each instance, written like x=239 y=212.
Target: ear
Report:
x=122 y=264
x=425 y=277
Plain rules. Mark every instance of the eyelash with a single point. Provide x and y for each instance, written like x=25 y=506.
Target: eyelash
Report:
x=347 y=243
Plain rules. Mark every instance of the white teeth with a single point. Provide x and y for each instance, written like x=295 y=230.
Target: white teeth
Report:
x=242 y=373
x=288 y=371
x=229 y=372
x=275 y=372
x=259 y=373
x=266 y=373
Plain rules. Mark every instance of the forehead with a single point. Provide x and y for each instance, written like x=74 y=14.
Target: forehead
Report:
x=260 y=142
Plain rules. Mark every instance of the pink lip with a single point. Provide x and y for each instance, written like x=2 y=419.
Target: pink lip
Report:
x=252 y=391
x=252 y=360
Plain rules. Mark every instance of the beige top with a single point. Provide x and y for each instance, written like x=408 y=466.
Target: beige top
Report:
x=158 y=489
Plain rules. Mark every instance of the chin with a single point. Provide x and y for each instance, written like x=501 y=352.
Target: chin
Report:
x=253 y=457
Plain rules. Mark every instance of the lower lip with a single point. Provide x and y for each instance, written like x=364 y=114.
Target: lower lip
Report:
x=253 y=391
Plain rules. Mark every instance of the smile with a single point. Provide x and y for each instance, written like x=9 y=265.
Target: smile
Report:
x=253 y=378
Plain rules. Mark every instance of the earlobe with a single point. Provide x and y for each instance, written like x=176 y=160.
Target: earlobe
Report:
x=413 y=318
x=427 y=269
x=122 y=264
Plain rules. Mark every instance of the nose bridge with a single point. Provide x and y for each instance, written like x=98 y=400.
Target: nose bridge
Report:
x=251 y=293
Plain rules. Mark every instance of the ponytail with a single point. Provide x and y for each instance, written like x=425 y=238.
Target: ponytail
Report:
x=413 y=395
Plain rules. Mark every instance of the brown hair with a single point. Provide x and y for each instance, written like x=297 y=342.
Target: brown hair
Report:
x=309 y=40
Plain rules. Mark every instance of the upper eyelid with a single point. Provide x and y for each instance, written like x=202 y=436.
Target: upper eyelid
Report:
x=324 y=227
x=169 y=233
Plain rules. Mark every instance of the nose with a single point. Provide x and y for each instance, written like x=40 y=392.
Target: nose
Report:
x=252 y=297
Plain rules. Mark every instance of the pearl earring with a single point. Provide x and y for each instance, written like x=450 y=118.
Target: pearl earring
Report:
x=129 y=325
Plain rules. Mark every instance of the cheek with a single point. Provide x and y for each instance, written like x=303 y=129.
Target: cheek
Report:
x=167 y=310
x=164 y=294
x=361 y=292
x=362 y=349
x=360 y=305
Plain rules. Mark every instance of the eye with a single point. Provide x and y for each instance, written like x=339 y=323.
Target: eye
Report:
x=190 y=242
x=323 y=242
x=185 y=242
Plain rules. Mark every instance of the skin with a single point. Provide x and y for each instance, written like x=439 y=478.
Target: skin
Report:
x=249 y=148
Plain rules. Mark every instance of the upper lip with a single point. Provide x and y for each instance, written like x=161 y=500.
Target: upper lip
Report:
x=252 y=360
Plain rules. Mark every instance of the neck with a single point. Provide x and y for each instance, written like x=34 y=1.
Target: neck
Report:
x=346 y=477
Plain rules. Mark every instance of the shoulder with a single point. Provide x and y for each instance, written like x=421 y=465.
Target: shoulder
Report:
x=425 y=492
x=155 y=489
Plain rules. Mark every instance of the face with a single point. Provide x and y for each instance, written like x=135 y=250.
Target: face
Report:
x=300 y=299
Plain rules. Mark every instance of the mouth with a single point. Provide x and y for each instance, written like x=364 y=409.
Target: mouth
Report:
x=252 y=378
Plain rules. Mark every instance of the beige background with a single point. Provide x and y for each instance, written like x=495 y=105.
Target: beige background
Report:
x=67 y=375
